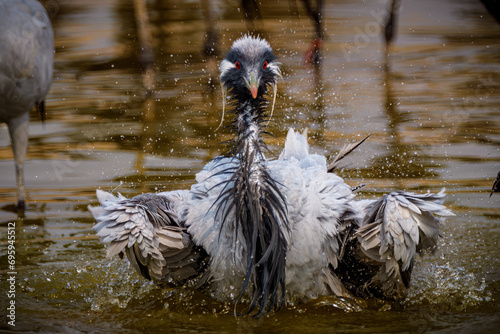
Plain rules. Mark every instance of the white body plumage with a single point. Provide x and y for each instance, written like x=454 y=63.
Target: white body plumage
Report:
x=316 y=200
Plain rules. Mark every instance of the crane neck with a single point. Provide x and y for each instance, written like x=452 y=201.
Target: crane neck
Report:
x=250 y=116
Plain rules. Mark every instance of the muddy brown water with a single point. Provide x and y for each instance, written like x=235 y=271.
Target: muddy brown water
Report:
x=431 y=107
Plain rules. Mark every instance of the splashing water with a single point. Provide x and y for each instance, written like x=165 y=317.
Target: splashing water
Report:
x=451 y=288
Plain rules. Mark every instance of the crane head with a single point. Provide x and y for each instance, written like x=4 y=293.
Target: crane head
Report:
x=249 y=68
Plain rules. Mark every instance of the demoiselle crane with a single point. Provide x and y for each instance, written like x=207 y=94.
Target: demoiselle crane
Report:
x=270 y=230
x=26 y=65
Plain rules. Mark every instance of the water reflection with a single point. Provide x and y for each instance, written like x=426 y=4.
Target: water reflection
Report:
x=402 y=159
x=317 y=109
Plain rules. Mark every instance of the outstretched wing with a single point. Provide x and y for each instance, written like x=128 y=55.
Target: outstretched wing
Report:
x=146 y=228
x=394 y=229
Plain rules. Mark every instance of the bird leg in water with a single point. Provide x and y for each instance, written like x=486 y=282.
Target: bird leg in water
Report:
x=18 y=130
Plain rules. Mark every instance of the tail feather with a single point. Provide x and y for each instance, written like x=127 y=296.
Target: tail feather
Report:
x=147 y=230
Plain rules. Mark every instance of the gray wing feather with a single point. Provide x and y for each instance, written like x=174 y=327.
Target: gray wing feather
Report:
x=335 y=285
x=147 y=230
x=347 y=149
x=395 y=228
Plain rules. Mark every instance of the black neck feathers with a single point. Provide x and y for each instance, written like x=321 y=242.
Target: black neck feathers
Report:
x=259 y=208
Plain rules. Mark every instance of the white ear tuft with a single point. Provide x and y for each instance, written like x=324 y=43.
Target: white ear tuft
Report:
x=225 y=66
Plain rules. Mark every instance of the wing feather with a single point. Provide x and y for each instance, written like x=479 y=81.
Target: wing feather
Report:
x=394 y=229
x=147 y=230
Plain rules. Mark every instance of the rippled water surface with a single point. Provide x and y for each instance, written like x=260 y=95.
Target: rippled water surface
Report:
x=431 y=107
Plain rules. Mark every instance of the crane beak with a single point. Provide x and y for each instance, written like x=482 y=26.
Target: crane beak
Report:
x=254 y=90
x=253 y=84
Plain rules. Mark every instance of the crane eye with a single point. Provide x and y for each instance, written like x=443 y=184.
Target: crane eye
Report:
x=265 y=65
x=237 y=65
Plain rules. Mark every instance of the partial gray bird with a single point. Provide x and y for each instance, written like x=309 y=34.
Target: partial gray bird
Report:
x=496 y=185
x=267 y=231
x=26 y=64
